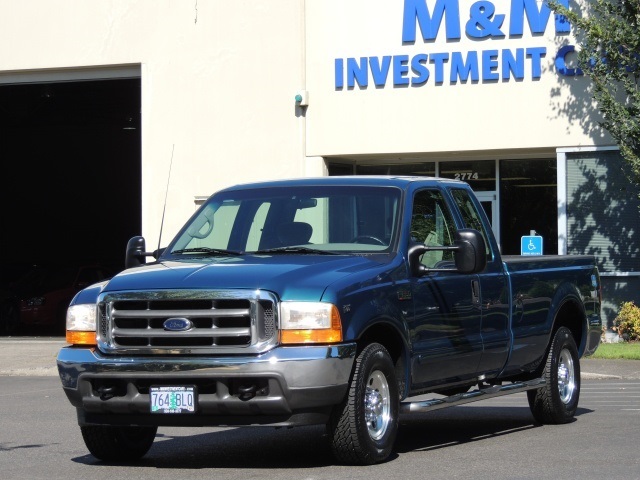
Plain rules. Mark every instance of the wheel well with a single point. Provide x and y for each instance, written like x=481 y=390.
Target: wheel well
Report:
x=573 y=317
x=389 y=337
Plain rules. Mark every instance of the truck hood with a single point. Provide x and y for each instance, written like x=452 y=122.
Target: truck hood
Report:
x=299 y=277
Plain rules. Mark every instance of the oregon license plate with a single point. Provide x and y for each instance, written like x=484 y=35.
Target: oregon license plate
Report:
x=167 y=399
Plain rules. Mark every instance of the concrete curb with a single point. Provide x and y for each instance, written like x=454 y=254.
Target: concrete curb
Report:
x=29 y=356
x=30 y=372
x=599 y=376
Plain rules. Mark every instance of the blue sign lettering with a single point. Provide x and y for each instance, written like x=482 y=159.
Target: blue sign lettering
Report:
x=338 y=72
x=486 y=65
x=536 y=54
x=357 y=72
x=400 y=70
x=561 y=62
x=537 y=19
x=438 y=60
x=484 y=22
x=379 y=71
x=513 y=65
x=490 y=65
x=419 y=68
x=461 y=69
x=417 y=11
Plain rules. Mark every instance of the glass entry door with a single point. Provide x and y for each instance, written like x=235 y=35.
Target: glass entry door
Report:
x=489 y=202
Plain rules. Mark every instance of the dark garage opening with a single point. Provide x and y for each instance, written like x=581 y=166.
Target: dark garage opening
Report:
x=71 y=180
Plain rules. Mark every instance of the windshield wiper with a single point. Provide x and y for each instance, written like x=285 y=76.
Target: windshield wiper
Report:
x=301 y=250
x=208 y=251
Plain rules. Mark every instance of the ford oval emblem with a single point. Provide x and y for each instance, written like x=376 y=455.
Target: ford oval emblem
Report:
x=177 y=324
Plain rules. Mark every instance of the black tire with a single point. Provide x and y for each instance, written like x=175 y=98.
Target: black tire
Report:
x=120 y=444
x=557 y=401
x=363 y=428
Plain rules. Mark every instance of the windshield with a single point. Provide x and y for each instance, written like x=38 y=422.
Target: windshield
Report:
x=267 y=220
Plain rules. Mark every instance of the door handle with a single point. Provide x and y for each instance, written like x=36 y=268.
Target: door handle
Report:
x=475 y=292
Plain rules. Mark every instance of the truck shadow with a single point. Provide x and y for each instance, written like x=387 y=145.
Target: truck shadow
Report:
x=245 y=447
x=457 y=426
x=307 y=447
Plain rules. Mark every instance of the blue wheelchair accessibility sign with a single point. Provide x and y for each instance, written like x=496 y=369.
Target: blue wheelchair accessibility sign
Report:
x=531 y=245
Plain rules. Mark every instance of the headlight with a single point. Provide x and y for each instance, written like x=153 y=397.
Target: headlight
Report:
x=309 y=322
x=81 y=324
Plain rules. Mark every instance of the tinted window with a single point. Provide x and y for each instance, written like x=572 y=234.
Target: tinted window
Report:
x=432 y=224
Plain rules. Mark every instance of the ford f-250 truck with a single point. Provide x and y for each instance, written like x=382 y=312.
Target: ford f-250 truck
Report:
x=327 y=301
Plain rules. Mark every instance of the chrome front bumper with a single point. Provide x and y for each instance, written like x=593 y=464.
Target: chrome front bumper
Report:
x=287 y=385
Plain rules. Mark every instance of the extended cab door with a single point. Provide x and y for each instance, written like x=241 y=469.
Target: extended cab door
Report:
x=445 y=330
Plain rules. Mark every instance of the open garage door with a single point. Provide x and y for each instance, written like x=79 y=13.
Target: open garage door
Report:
x=70 y=187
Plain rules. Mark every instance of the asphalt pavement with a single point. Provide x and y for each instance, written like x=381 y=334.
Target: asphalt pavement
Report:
x=36 y=356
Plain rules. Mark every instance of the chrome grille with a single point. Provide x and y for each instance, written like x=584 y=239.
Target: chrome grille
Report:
x=216 y=322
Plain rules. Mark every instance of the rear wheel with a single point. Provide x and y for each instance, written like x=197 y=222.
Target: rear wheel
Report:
x=557 y=401
x=118 y=443
x=363 y=428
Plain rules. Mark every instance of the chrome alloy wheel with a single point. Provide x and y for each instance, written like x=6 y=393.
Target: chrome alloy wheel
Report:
x=566 y=376
x=377 y=405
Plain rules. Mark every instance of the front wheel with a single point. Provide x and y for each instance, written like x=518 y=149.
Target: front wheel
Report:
x=363 y=428
x=118 y=443
x=557 y=401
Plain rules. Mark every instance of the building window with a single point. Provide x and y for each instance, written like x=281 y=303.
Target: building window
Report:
x=479 y=174
x=425 y=169
x=603 y=211
x=528 y=201
x=339 y=169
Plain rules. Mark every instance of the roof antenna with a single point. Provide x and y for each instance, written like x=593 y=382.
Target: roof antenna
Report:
x=166 y=194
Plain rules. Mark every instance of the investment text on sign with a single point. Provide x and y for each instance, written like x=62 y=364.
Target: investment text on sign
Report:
x=484 y=22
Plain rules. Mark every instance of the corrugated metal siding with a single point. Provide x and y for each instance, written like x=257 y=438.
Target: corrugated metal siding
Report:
x=603 y=212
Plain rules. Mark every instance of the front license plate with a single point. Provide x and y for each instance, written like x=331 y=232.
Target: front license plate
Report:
x=173 y=399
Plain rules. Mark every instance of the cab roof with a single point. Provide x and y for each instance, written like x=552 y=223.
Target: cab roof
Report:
x=398 y=181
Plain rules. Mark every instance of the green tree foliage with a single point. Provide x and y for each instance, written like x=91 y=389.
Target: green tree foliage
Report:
x=608 y=33
x=627 y=323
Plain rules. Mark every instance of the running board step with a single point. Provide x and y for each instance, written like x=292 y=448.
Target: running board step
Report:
x=468 y=397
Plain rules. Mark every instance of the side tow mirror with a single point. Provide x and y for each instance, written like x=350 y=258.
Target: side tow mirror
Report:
x=469 y=253
x=416 y=250
x=136 y=253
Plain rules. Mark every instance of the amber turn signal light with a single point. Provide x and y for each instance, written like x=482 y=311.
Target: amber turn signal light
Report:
x=81 y=338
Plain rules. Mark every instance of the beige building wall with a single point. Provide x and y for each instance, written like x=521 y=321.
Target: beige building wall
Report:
x=219 y=80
